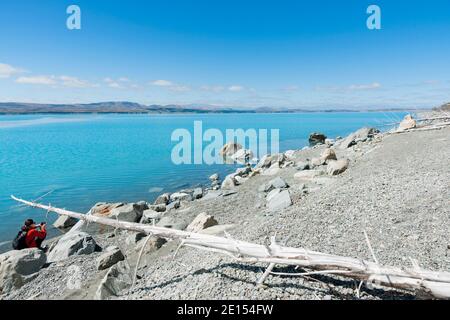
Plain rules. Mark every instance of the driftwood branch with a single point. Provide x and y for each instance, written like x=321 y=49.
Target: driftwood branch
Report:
x=436 y=284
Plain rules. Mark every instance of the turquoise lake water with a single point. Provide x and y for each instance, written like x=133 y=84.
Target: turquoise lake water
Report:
x=85 y=159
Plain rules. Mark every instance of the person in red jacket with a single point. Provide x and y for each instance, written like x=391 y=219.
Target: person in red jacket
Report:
x=36 y=234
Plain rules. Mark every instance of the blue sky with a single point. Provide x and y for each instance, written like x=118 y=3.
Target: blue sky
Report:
x=313 y=54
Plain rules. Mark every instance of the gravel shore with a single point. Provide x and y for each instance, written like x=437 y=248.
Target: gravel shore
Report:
x=396 y=189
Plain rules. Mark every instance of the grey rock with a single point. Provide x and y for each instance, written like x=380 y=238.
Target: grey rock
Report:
x=173 y=205
x=168 y=222
x=64 y=222
x=181 y=196
x=316 y=138
x=214 y=177
x=163 y=199
x=149 y=215
x=18 y=266
x=359 y=136
x=301 y=165
x=112 y=255
x=198 y=193
x=158 y=207
x=71 y=244
x=202 y=221
x=279 y=200
x=117 y=279
x=129 y=212
x=337 y=167
x=229 y=182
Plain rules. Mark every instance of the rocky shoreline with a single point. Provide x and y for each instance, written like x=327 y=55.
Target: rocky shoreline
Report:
x=393 y=186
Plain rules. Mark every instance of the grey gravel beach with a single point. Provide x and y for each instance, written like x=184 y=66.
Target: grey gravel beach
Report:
x=395 y=187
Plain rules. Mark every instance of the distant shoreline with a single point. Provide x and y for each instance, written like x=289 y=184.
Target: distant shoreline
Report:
x=16 y=108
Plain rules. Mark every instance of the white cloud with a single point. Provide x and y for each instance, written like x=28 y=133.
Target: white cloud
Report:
x=162 y=83
x=7 y=70
x=39 y=80
x=124 y=79
x=215 y=89
x=73 y=82
x=292 y=88
x=370 y=86
x=235 y=88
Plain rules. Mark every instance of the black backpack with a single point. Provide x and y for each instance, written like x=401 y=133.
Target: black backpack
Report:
x=19 y=241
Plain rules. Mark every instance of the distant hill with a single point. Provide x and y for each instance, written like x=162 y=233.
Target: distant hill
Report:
x=131 y=107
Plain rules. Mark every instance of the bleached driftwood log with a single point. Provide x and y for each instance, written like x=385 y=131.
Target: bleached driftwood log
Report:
x=436 y=284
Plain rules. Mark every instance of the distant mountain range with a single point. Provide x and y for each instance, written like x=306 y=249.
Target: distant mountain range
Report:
x=131 y=107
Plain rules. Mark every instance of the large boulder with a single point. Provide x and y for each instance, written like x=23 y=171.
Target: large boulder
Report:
x=337 y=167
x=278 y=199
x=229 y=149
x=202 y=221
x=407 y=123
x=229 y=182
x=118 y=278
x=359 y=136
x=274 y=184
x=131 y=212
x=242 y=156
x=198 y=193
x=18 y=266
x=72 y=244
x=64 y=222
x=172 y=223
x=316 y=138
x=163 y=199
x=150 y=215
x=181 y=196
x=112 y=255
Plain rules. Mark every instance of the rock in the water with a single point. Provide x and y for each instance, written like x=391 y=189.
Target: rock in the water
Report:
x=229 y=149
x=308 y=174
x=202 y=221
x=407 y=123
x=316 y=138
x=111 y=256
x=18 y=266
x=198 y=193
x=359 y=136
x=229 y=182
x=279 y=201
x=64 y=222
x=117 y=279
x=182 y=196
x=337 y=167
x=71 y=244
x=163 y=199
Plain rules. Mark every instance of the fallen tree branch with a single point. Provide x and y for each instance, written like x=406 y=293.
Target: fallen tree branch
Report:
x=435 y=283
